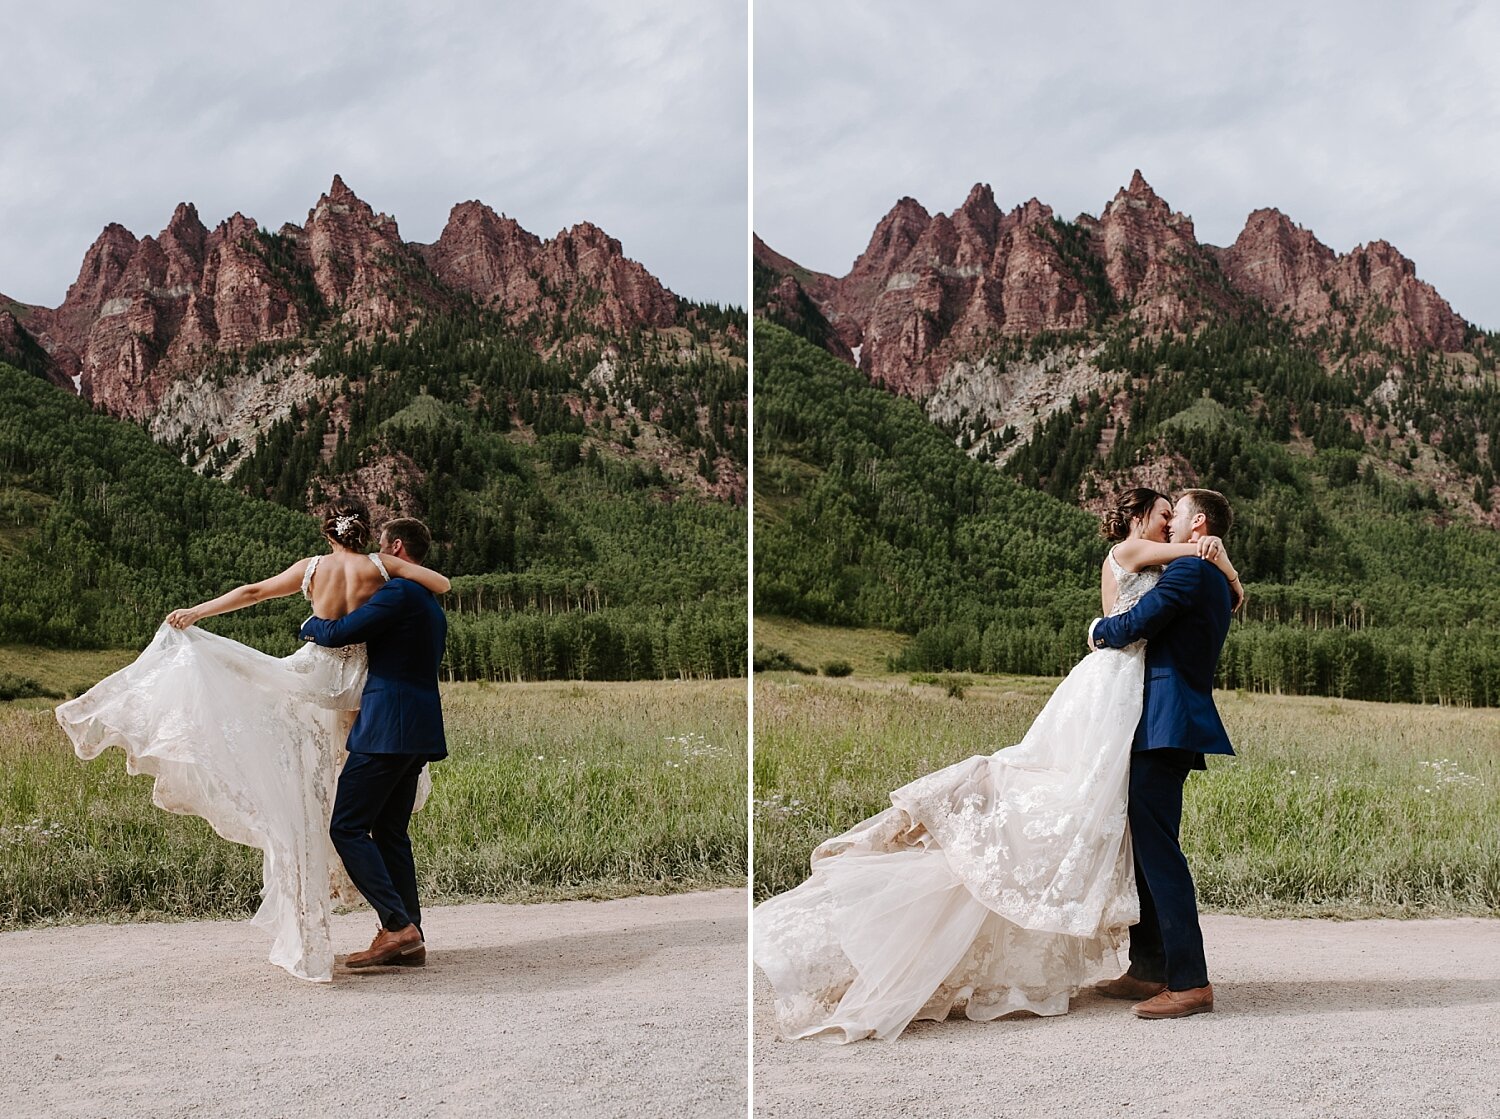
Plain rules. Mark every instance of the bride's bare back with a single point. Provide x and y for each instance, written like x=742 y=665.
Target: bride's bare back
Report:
x=342 y=582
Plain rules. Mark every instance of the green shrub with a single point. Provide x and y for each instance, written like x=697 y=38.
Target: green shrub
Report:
x=768 y=659
x=23 y=687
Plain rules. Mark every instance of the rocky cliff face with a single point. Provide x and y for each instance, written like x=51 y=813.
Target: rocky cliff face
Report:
x=928 y=290
x=932 y=295
x=11 y=331
x=784 y=292
x=1373 y=288
x=147 y=314
x=144 y=312
x=486 y=255
x=359 y=264
x=819 y=285
x=968 y=279
x=18 y=347
x=581 y=271
x=1153 y=261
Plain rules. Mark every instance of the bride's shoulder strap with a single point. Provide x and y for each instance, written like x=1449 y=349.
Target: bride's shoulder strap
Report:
x=1114 y=565
x=307 y=574
x=378 y=562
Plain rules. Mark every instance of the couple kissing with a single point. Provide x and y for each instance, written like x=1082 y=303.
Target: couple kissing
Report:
x=1007 y=882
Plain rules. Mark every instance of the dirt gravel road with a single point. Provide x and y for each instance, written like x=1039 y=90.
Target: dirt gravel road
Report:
x=630 y=1007
x=1312 y=1019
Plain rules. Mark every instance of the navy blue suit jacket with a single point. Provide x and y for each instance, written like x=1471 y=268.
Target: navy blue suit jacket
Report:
x=1184 y=619
x=404 y=630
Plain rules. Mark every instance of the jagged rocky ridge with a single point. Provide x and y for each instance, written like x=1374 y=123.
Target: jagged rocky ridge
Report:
x=144 y=310
x=198 y=330
x=932 y=294
x=1030 y=339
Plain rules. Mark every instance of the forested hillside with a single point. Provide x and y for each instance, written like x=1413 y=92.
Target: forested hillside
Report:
x=104 y=532
x=1362 y=581
x=578 y=566
x=866 y=514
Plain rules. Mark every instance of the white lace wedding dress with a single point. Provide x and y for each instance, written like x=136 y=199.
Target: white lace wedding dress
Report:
x=251 y=743
x=1001 y=883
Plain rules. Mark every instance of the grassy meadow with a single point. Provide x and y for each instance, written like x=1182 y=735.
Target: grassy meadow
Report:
x=1333 y=808
x=56 y=673
x=552 y=791
x=864 y=650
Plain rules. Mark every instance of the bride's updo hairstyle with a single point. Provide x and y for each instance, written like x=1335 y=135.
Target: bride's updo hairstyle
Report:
x=1130 y=505
x=346 y=521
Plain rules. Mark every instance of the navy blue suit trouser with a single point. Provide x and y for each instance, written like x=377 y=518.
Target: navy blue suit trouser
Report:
x=1167 y=945
x=370 y=815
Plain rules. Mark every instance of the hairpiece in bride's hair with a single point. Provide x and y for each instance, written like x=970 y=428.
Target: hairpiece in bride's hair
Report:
x=347 y=522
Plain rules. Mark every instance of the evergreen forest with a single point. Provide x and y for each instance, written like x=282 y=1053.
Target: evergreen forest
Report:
x=1364 y=579
x=574 y=554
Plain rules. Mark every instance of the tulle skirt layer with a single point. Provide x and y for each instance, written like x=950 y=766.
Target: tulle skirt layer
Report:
x=999 y=884
x=252 y=744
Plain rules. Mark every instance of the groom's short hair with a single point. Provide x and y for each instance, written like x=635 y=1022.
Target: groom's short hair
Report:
x=411 y=532
x=1214 y=506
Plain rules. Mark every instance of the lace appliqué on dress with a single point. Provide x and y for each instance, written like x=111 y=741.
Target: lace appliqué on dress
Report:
x=1001 y=883
x=254 y=745
x=1131 y=586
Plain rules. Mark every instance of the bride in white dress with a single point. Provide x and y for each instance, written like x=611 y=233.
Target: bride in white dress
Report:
x=998 y=884
x=253 y=743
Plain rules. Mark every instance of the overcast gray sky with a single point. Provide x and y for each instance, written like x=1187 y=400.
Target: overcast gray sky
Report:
x=628 y=114
x=1360 y=119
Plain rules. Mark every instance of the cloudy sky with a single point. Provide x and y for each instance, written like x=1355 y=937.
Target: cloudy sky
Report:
x=630 y=115
x=1360 y=119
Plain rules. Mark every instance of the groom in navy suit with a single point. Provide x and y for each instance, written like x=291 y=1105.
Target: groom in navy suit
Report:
x=1184 y=619
x=399 y=729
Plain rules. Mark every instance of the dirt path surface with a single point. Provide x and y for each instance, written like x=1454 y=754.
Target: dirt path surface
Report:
x=631 y=1007
x=1317 y=1019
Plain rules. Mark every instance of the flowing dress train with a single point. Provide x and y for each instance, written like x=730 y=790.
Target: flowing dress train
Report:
x=998 y=884
x=252 y=744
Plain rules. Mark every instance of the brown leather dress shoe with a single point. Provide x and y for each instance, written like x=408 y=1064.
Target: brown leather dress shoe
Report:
x=1129 y=987
x=1177 y=1004
x=388 y=948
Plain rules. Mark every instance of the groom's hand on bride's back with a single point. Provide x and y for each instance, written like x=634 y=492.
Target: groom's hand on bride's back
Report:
x=377 y=615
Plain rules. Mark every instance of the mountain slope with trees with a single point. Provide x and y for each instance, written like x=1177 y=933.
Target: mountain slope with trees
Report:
x=1361 y=582
x=574 y=433
x=105 y=531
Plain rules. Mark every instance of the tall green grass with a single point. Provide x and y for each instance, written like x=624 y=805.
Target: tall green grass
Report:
x=552 y=791
x=1332 y=808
